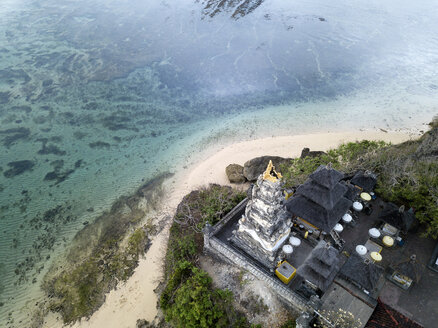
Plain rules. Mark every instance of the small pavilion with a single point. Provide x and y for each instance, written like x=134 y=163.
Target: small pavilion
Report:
x=320 y=202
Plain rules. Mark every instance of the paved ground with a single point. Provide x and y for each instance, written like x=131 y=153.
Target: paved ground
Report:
x=420 y=302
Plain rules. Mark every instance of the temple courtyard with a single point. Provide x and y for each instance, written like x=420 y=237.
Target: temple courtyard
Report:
x=331 y=272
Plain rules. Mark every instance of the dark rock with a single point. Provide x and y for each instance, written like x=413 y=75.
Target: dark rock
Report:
x=235 y=173
x=18 y=167
x=142 y=323
x=256 y=166
x=306 y=152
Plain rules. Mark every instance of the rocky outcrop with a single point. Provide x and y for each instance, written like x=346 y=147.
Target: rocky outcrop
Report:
x=428 y=146
x=256 y=166
x=235 y=173
x=306 y=152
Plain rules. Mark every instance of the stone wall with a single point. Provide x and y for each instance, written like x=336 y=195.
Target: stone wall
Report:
x=227 y=252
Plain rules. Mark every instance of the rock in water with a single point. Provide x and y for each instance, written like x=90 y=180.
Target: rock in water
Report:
x=306 y=152
x=235 y=173
x=256 y=166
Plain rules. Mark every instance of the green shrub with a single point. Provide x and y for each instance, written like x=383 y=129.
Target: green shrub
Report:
x=189 y=299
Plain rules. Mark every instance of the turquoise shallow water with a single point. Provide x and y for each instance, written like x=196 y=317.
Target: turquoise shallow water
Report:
x=97 y=97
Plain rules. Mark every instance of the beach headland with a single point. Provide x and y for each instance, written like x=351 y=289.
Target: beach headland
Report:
x=136 y=298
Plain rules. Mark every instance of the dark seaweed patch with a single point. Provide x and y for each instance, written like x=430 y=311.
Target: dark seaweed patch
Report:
x=9 y=75
x=58 y=176
x=56 y=139
x=24 y=108
x=47 y=83
x=51 y=176
x=4 y=97
x=79 y=135
x=99 y=145
x=58 y=164
x=117 y=122
x=13 y=135
x=18 y=167
x=91 y=106
x=50 y=149
x=40 y=119
x=9 y=119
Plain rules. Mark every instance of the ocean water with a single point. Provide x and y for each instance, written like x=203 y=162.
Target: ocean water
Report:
x=97 y=97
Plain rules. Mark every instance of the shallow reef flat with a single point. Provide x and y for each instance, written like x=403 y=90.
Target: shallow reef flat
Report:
x=98 y=97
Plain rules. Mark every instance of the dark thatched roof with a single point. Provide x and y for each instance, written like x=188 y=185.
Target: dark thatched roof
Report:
x=321 y=266
x=366 y=180
x=402 y=220
x=321 y=195
x=351 y=192
x=327 y=176
x=409 y=268
x=364 y=274
x=320 y=200
x=316 y=214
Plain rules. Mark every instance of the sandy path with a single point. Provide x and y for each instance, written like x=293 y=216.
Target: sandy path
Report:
x=136 y=299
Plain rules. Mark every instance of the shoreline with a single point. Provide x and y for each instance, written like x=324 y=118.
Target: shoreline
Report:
x=136 y=299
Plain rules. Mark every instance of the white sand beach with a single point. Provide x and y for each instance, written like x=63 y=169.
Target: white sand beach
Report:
x=136 y=298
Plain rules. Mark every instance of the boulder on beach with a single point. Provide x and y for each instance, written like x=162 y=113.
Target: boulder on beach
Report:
x=314 y=153
x=256 y=166
x=235 y=173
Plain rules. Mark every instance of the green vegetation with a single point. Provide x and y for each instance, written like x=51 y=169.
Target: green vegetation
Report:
x=407 y=173
x=289 y=324
x=346 y=158
x=103 y=254
x=189 y=299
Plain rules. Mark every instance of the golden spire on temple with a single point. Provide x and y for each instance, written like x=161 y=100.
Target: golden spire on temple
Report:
x=270 y=174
